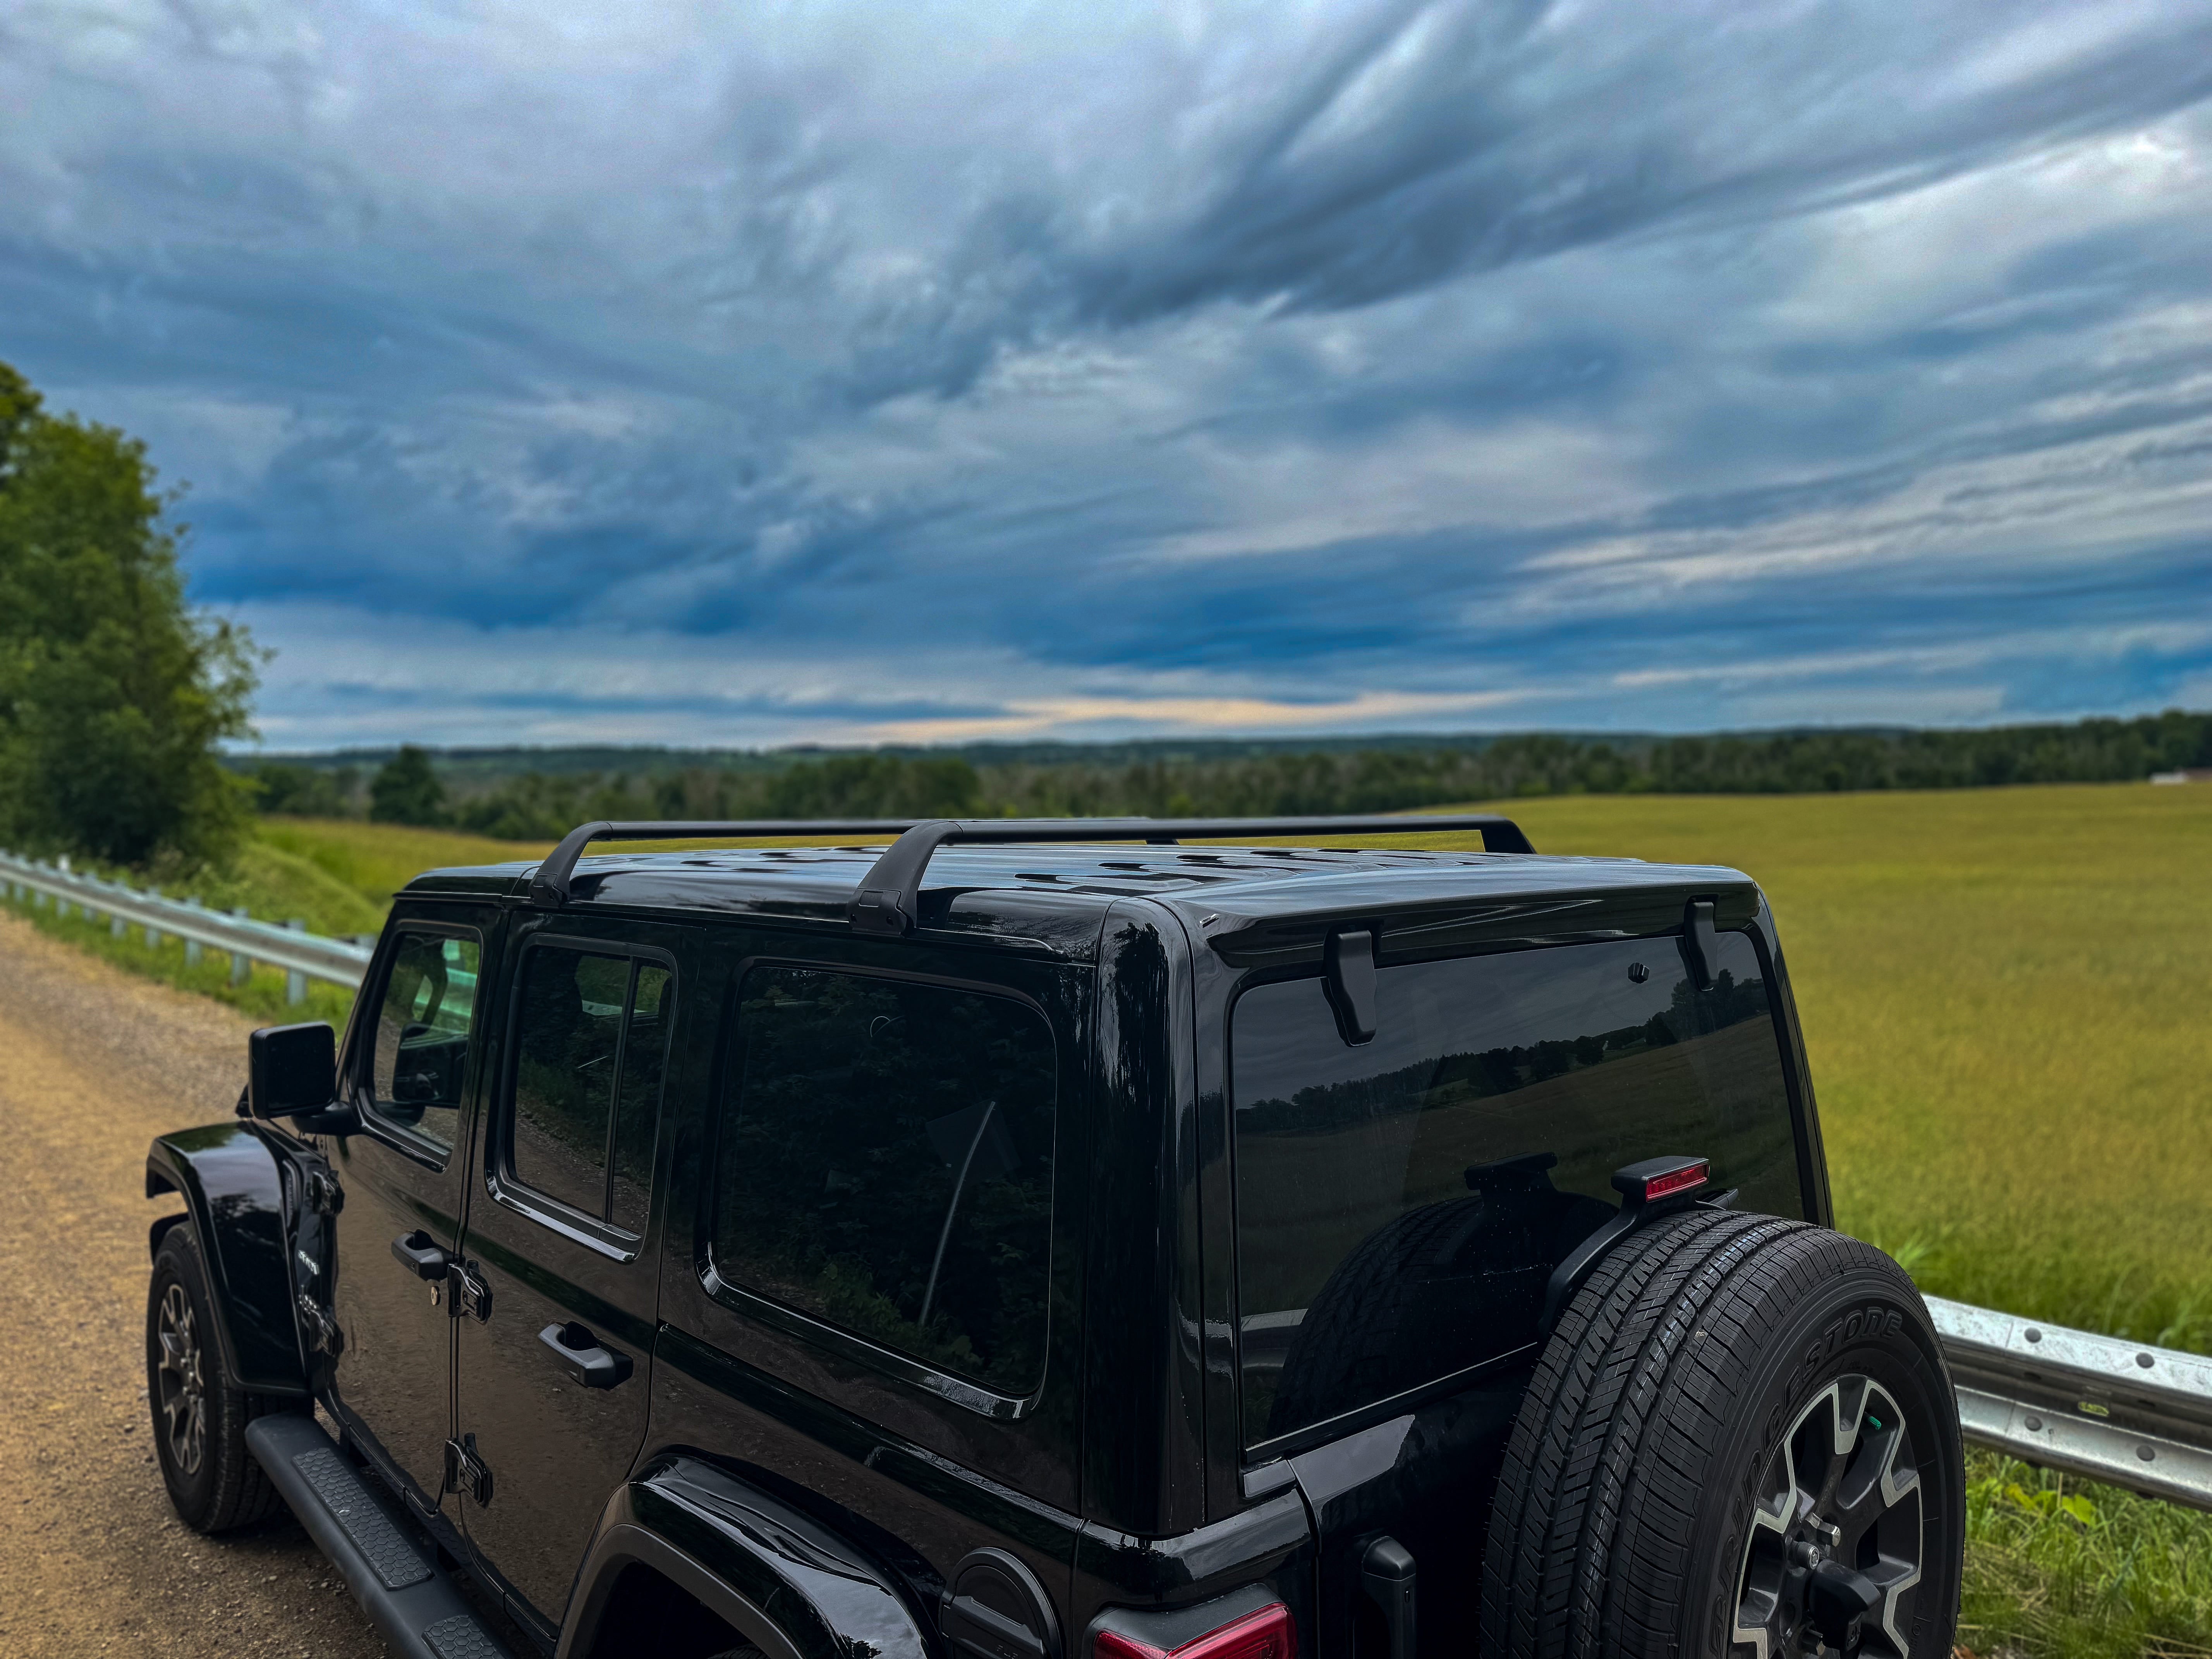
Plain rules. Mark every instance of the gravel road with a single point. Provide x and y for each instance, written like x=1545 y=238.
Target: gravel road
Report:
x=94 y=1063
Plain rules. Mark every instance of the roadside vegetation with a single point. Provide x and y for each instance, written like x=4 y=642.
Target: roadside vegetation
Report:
x=2066 y=1568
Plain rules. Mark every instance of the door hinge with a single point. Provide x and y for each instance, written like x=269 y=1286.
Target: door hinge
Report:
x=319 y=1329
x=324 y=1195
x=467 y=1291
x=466 y=1471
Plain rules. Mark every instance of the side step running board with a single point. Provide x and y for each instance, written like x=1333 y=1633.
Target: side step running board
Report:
x=393 y=1573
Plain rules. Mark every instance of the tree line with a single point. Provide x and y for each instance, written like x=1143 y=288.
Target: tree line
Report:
x=409 y=789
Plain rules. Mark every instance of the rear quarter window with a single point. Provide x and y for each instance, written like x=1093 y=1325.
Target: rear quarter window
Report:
x=886 y=1166
x=1402 y=1204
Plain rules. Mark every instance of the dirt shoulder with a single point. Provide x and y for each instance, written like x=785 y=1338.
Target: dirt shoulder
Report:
x=94 y=1063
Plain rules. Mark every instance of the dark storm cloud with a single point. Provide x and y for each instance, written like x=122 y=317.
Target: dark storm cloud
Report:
x=704 y=376
x=1432 y=142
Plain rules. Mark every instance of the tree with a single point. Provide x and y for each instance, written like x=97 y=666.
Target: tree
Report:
x=285 y=788
x=406 y=791
x=114 y=693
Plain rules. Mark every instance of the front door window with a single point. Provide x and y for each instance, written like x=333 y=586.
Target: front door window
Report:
x=422 y=1026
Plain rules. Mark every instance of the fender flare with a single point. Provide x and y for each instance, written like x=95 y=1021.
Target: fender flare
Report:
x=788 y=1585
x=234 y=1203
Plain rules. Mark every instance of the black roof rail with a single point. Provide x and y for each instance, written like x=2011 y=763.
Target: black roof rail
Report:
x=887 y=900
x=548 y=887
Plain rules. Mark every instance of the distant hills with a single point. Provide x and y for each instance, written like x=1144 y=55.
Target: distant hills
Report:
x=532 y=793
x=651 y=760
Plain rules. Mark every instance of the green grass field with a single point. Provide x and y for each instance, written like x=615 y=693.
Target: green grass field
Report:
x=2003 y=994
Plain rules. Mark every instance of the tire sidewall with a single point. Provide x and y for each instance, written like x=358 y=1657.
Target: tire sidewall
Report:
x=1860 y=1322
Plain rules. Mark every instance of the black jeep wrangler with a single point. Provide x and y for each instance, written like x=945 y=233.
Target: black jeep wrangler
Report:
x=1060 y=1240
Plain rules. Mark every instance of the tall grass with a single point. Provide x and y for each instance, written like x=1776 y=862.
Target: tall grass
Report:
x=2064 y=1567
x=375 y=860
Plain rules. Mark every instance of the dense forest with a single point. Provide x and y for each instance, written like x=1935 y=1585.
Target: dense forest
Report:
x=505 y=796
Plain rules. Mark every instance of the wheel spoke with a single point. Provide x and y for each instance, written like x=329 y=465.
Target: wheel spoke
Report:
x=179 y=1377
x=1841 y=1487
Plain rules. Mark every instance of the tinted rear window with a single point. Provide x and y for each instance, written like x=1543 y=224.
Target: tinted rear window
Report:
x=889 y=1166
x=1400 y=1205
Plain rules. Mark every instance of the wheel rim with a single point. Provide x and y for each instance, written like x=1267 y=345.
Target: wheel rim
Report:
x=180 y=1381
x=1837 y=1525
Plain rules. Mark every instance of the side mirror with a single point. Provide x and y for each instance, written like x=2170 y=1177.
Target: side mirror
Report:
x=290 y=1070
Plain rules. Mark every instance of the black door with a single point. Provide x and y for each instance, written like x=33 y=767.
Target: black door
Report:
x=411 y=1072
x=556 y=1328
x=873 y=1265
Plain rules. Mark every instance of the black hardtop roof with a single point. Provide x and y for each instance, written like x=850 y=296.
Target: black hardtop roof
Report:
x=1242 y=899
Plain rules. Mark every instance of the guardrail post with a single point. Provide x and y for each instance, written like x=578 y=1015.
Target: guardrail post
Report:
x=117 y=927
x=192 y=945
x=295 y=983
x=241 y=965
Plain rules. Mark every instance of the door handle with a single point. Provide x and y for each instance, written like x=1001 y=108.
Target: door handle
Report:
x=420 y=1254
x=583 y=1357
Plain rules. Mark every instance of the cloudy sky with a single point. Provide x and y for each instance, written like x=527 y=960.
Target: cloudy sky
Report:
x=755 y=374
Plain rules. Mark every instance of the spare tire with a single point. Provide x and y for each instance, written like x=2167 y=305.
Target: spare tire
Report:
x=1740 y=1440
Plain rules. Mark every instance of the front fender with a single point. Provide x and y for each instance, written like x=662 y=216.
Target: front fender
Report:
x=792 y=1588
x=235 y=1197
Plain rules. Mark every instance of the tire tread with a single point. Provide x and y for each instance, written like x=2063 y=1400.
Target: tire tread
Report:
x=1604 y=1475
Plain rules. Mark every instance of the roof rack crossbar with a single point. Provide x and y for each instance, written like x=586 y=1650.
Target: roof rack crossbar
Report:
x=887 y=900
x=549 y=886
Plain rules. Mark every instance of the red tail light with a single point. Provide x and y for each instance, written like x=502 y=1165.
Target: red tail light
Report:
x=1656 y=1178
x=1266 y=1634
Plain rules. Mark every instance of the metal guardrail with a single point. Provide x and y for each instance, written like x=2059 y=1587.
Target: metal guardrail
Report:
x=301 y=955
x=2122 y=1413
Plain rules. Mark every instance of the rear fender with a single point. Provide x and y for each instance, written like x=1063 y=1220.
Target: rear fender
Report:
x=234 y=1199
x=783 y=1581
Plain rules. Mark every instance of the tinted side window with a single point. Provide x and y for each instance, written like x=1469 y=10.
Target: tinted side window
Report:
x=1400 y=1205
x=888 y=1166
x=591 y=1047
x=422 y=1026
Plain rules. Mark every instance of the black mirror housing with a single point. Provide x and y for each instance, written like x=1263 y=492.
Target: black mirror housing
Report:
x=291 y=1069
